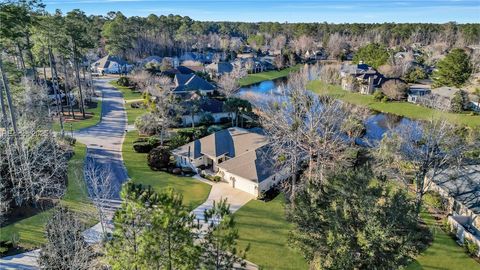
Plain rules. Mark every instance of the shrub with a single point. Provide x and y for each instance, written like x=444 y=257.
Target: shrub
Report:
x=395 y=89
x=123 y=81
x=460 y=102
x=158 y=158
x=142 y=147
x=378 y=95
x=177 y=171
x=137 y=104
x=70 y=140
x=217 y=178
x=207 y=119
x=177 y=141
x=187 y=170
x=470 y=247
x=213 y=128
x=147 y=124
x=433 y=199
x=193 y=133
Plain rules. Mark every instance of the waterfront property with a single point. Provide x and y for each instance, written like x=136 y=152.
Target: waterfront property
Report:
x=240 y=157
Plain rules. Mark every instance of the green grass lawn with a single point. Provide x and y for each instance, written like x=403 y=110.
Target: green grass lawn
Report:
x=127 y=93
x=31 y=230
x=268 y=75
x=79 y=124
x=263 y=225
x=133 y=113
x=406 y=109
x=444 y=253
x=194 y=192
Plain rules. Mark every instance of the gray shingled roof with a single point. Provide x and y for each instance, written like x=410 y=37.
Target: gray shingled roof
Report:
x=256 y=165
x=191 y=82
x=107 y=60
x=462 y=185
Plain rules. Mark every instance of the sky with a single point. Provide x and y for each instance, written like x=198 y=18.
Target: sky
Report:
x=332 y=11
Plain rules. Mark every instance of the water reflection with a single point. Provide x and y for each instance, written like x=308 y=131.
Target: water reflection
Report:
x=376 y=125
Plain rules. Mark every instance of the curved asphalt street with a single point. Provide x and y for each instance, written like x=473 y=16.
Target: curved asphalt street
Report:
x=104 y=140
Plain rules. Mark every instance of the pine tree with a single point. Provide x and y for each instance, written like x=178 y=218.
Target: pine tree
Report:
x=454 y=70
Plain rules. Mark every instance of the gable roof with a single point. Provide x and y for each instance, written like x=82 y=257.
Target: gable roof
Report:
x=191 y=82
x=256 y=165
x=208 y=105
x=221 y=67
x=106 y=61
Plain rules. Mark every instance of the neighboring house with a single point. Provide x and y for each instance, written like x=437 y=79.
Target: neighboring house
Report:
x=461 y=191
x=111 y=65
x=209 y=106
x=241 y=157
x=443 y=96
x=417 y=92
x=185 y=83
x=475 y=104
x=218 y=69
x=151 y=60
x=360 y=78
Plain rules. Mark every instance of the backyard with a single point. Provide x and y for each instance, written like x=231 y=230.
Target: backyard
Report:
x=409 y=110
x=268 y=75
x=194 y=192
x=30 y=231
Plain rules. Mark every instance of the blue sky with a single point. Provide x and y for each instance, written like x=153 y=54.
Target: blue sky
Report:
x=336 y=11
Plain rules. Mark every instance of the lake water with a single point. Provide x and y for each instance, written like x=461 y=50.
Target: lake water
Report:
x=376 y=125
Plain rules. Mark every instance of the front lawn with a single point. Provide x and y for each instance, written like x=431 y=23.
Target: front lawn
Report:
x=93 y=114
x=406 y=109
x=194 y=192
x=31 y=230
x=128 y=93
x=267 y=75
x=133 y=113
x=264 y=227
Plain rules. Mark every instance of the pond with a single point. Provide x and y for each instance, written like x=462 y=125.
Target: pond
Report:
x=376 y=125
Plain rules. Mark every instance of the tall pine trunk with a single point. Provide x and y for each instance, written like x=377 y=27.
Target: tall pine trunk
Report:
x=56 y=89
x=77 y=73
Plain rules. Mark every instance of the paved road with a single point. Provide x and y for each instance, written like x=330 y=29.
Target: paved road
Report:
x=104 y=141
x=104 y=144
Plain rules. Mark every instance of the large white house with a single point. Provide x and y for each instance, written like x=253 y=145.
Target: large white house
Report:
x=241 y=157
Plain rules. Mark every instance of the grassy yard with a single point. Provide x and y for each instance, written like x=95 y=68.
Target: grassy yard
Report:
x=268 y=75
x=398 y=108
x=194 y=192
x=127 y=93
x=444 y=253
x=77 y=124
x=31 y=230
x=263 y=225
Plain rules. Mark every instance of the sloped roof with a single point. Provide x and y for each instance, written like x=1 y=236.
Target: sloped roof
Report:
x=191 y=82
x=256 y=165
x=209 y=105
x=221 y=67
x=462 y=185
x=106 y=61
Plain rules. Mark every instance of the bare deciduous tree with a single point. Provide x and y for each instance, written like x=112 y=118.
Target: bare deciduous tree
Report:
x=420 y=150
x=65 y=247
x=304 y=126
x=100 y=188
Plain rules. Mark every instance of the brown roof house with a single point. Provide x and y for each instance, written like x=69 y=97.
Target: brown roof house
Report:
x=240 y=157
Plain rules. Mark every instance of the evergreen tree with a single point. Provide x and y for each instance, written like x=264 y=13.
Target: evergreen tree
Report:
x=152 y=230
x=220 y=241
x=373 y=55
x=459 y=102
x=454 y=70
x=353 y=221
